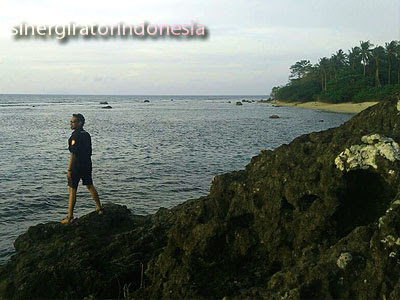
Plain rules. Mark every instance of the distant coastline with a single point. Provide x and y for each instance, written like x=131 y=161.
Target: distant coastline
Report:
x=366 y=72
x=346 y=107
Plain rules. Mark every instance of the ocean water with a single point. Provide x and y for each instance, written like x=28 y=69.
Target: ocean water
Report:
x=145 y=155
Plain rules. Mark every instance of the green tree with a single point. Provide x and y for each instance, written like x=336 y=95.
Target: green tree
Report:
x=323 y=66
x=354 y=57
x=377 y=54
x=365 y=53
x=300 y=69
x=390 y=50
x=398 y=62
x=274 y=90
x=338 y=61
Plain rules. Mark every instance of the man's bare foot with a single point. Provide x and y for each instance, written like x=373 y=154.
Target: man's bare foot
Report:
x=67 y=220
x=99 y=210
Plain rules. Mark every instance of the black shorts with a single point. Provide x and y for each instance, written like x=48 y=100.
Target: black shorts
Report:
x=76 y=176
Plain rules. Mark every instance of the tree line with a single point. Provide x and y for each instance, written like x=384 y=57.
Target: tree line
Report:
x=365 y=73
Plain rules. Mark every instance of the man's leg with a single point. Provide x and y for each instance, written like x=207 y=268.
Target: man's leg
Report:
x=95 y=196
x=71 y=205
x=72 y=201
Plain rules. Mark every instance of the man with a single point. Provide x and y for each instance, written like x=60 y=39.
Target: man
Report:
x=80 y=166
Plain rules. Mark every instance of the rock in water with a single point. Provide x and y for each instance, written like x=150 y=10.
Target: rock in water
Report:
x=274 y=117
x=292 y=225
x=107 y=107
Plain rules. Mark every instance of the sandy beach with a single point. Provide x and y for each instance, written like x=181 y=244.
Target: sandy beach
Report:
x=348 y=107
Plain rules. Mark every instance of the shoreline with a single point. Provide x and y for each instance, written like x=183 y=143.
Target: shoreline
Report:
x=347 y=107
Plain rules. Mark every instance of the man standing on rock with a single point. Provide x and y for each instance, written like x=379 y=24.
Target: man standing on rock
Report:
x=80 y=165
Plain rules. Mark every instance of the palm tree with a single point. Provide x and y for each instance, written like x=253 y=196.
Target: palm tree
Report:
x=377 y=55
x=323 y=66
x=390 y=49
x=338 y=60
x=365 y=52
x=398 y=62
x=354 y=57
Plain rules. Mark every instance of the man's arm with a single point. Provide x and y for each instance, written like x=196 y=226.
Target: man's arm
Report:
x=72 y=159
x=73 y=147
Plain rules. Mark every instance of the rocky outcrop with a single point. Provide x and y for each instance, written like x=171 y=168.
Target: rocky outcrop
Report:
x=316 y=219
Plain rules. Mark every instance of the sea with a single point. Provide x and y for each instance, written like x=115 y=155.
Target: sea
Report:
x=146 y=154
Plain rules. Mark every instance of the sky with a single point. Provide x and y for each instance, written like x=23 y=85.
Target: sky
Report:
x=250 y=47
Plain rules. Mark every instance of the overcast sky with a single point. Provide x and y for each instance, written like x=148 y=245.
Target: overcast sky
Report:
x=251 y=44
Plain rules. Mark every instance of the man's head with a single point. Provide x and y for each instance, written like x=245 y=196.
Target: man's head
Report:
x=77 y=121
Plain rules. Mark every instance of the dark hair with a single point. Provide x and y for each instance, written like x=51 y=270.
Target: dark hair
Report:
x=79 y=118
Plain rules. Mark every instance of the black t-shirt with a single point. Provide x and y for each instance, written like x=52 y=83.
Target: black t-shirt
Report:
x=80 y=144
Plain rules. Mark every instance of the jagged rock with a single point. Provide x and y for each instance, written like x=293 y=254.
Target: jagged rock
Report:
x=277 y=229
